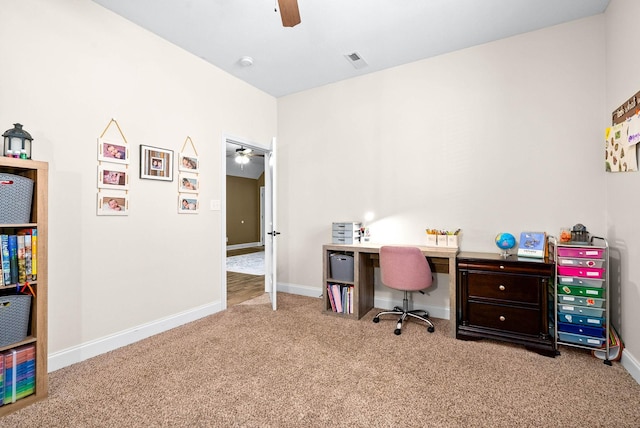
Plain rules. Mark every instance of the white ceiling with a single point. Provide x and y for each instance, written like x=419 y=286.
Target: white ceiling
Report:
x=385 y=33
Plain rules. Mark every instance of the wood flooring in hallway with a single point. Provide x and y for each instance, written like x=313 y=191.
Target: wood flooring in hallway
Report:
x=241 y=286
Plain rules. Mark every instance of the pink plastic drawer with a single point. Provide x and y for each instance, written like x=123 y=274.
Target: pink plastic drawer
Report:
x=582 y=272
x=583 y=252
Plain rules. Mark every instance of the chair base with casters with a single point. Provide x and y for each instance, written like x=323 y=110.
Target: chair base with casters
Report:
x=405 y=313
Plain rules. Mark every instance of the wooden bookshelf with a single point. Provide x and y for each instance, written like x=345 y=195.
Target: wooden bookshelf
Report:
x=38 y=172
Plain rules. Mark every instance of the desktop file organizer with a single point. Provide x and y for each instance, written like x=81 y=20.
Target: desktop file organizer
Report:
x=581 y=295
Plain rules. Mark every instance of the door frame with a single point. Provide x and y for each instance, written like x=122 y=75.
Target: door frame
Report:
x=260 y=148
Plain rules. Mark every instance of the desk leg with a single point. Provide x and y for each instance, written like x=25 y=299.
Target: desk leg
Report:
x=453 y=312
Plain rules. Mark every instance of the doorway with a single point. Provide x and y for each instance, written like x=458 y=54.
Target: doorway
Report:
x=244 y=205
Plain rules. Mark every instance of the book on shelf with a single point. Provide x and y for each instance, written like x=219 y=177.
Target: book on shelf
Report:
x=532 y=244
x=22 y=270
x=6 y=263
x=337 y=297
x=13 y=258
x=330 y=296
x=34 y=254
x=28 y=256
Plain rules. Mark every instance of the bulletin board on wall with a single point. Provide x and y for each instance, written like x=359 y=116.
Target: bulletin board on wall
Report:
x=623 y=136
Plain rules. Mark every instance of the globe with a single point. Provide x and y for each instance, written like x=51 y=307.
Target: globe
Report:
x=505 y=241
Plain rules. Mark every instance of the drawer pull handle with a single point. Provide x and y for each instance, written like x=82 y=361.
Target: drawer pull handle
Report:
x=501 y=266
x=501 y=287
x=502 y=318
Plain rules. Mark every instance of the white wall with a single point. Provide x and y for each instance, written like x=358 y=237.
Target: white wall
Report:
x=502 y=137
x=69 y=67
x=623 y=205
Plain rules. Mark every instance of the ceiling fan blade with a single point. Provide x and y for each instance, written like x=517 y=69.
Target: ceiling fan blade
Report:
x=289 y=12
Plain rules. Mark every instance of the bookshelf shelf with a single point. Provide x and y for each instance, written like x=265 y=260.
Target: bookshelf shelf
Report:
x=37 y=327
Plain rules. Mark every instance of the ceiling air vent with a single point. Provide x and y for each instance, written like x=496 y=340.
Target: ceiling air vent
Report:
x=356 y=60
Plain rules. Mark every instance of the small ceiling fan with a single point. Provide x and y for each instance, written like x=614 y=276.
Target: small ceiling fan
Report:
x=289 y=12
x=243 y=154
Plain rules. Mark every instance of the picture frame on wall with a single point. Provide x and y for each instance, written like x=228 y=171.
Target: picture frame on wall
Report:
x=112 y=176
x=113 y=203
x=188 y=163
x=188 y=204
x=188 y=183
x=156 y=163
x=109 y=151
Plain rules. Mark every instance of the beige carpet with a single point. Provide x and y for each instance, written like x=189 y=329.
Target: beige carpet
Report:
x=252 y=367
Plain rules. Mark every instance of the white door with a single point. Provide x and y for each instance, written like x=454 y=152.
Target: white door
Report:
x=270 y=248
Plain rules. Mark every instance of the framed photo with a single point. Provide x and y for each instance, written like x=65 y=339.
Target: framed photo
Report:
x=156 y=163
x=113 y=203
x=188 y=204
x=109 y=151
x=188 y=183
x=188 y=163
x=112 y=176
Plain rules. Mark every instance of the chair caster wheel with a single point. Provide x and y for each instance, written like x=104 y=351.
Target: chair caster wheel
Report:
x=397 y=331
x=376 y=319
x=431 y=329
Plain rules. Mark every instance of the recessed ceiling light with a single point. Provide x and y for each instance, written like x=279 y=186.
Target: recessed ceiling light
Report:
x=246 y=61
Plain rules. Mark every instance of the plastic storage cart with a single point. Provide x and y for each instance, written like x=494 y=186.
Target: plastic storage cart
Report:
x=581 y=305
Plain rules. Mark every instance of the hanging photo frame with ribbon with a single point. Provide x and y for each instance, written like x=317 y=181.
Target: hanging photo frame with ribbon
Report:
x=188 y=162
x=113 y=179
x=189 y=167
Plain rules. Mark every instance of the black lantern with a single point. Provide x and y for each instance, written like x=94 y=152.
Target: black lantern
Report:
x=17 y=142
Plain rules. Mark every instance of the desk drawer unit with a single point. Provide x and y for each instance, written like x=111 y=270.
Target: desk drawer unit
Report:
x=504 y=299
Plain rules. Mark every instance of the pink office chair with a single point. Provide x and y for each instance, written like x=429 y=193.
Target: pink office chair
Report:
x=406 y=269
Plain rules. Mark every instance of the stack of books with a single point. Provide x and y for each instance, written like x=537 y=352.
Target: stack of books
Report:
x=19 y=373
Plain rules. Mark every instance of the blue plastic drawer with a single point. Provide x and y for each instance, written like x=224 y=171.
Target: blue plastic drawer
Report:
x=581 y=319
x=580 y=339
x=580 y=310
x=581 y=329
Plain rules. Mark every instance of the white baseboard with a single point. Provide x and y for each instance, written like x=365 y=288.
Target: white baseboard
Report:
x=84 y=351
x=302 y=290
x=246 y=245
x=631 y=364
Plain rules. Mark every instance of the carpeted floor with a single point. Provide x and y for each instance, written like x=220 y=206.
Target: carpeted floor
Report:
x=250 y=366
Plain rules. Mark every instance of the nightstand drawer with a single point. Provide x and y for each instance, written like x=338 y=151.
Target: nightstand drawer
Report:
x=505 y=318
x=512 y=288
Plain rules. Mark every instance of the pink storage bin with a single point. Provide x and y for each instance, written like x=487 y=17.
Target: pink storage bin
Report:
x=583 y=252
x=582 y=272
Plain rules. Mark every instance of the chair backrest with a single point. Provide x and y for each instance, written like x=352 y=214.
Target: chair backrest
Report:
x=404 y=268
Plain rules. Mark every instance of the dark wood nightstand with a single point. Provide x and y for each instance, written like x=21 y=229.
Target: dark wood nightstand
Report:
x=504 y=299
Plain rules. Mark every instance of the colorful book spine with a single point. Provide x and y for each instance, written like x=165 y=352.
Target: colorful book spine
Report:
x=27 y=254
x=337 y=297
x=330 y=295
x=13 y=258
x=1 y=380
x=6 y=263
x=22 y=269
x=34 y=254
